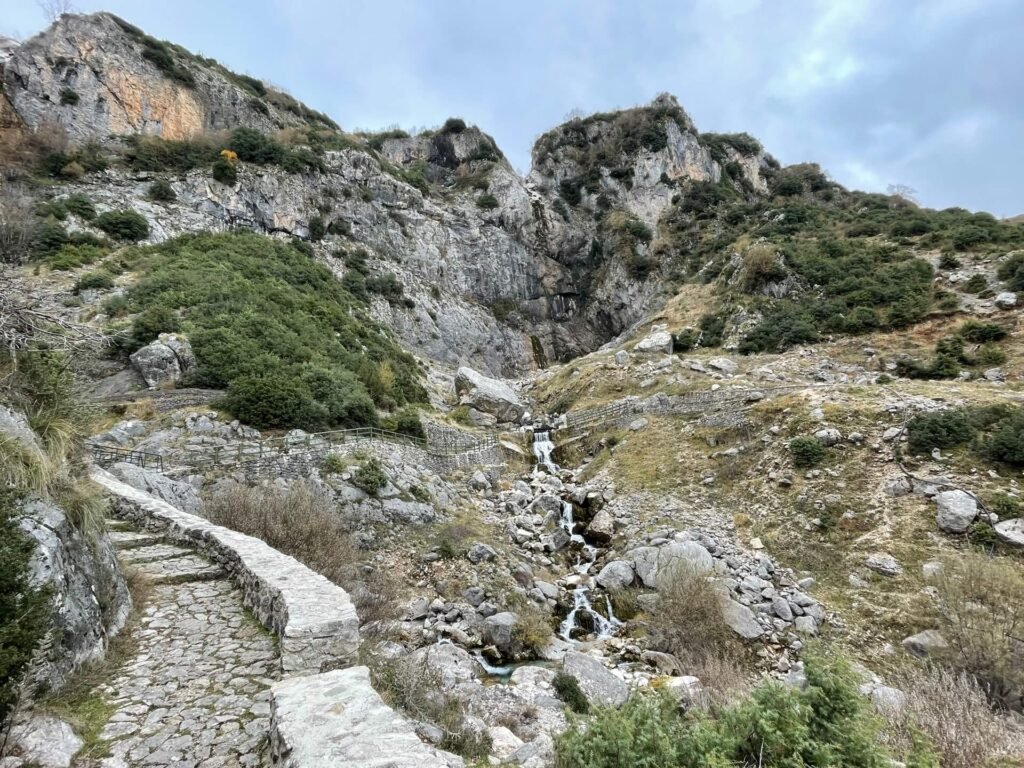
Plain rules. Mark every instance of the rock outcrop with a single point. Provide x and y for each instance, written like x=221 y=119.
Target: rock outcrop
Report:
x=488 y=395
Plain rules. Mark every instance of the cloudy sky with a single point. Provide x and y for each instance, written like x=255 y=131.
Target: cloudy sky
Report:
x=927 y=93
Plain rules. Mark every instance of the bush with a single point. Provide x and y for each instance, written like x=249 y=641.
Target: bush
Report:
x=333 y=464
x=825 y=724
x=976 y=284
x=980 y=333
x=94 y=281
x=939 y=429
x=225 y=171
x=949 y=261
x=487 y=201
x=689 y=622
x=257 y=307
x=406 y=422
x=151 y=322
x=123 y=225
x=969 y=236
x=978 y=610
x=80 y=205
x=1007 y=443
x=806 y=451
x=274 y=401
x=568 y=690
x=370 y=476
x=317 y=228
x=533 y=630
x=252 y=146
x=69 y=97
x=161 y=191
x=453 y=125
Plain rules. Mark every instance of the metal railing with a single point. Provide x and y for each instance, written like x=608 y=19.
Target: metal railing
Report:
x=105 y=455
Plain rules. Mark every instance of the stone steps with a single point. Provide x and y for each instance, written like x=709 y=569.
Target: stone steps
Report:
x=179 y=570
x=128 y=539
x=152 y=553
x=114 y=525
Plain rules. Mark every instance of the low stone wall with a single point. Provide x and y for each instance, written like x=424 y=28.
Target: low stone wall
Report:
x=337 y=719
x=313 y=617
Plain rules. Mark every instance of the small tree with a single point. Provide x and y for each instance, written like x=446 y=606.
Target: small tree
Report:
x=807 y=451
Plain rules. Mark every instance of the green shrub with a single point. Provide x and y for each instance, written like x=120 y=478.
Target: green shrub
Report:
x=949 y=261
x=568 y=690
x=976 y=284
x=453 y=125
x=74 y=256
x=257 y=307
x=252 y=146
x=274 y=401
x=151 y=322
x=828 y=725
x=333 y=464
x=317 y=228
x=123 y=225
x=370 y=476
x=806 y=451
x=487 y=201
x=1007 y=442
x=161 y=191
x=93 y=281
x=69 y=97
x=979 y=333
x=407 y=422
x=939 y=429
x=151 y=153
x=685 y=340
x=225 y=171
x=969 y=236
x=80 y=205
x=712 y=329
x=989 y=355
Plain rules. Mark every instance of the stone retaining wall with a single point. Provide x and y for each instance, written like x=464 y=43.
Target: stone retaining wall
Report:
x=313 y=617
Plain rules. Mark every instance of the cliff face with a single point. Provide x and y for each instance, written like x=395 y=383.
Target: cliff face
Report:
x=98 y=76
x=505 y=273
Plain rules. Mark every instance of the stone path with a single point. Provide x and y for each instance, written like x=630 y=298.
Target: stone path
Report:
x=196 y=693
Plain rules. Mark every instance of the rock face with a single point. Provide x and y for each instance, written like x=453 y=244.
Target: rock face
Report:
x=488 y=395
x=164 y=360
x=176 y=493
x=956 y=511
x=120 y=90
x=46 y=742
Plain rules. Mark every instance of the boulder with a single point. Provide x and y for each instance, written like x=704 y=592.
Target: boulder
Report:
x=621 y=358
x=452 y=663
x=645 y=563
x=657 y=343
x=178 y=494
x=665 y=663
x=163 y=361
x=682 y=555
x=956 y=511
x=829 y=436
x=598 y=683
x=1006 y=300
x=602 y=527
x=883 y=563
x=480 y=553
x=488 y=395
x=618 y=574
x=723 y=364
x=499 y=630
x=741 y=619
x=925 y=644
x=1011 y=531
x=46 y=741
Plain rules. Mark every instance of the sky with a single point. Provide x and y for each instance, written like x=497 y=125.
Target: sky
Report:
x=923 y=93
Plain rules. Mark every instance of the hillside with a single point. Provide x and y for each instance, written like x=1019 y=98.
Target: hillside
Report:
x=662 y=427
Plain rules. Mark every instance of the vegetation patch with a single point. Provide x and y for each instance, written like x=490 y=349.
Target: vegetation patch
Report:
x=277 y=330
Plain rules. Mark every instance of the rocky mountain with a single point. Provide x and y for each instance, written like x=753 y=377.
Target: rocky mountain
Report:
x=523 y=276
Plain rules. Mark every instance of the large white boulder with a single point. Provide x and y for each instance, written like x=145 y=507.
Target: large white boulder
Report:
x=658 y=343
x=1011 y=531
x=956 y=511
x=165 y=360
x=488 y=395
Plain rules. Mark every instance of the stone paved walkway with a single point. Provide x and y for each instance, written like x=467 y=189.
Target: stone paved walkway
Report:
x=196 y=694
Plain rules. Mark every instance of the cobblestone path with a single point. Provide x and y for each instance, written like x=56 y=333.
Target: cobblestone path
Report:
x=195 y=694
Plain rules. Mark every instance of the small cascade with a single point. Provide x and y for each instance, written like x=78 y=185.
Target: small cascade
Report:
x=604 y=626
x=543 y=447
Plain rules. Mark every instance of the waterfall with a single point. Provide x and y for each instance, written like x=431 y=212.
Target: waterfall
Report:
x=580 y=601
x=542 y=449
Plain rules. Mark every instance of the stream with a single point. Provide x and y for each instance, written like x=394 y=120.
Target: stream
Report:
x=604 y=626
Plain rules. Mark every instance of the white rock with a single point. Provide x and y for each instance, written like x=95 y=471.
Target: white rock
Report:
x=488 y=395
x=1006 y=300
x=47 y=742
x=659 y=342
x=723 y=364
x=956 y=511
x=1011 y=531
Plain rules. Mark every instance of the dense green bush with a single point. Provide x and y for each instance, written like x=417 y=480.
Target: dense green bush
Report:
x=93 y=281
x=1007 y=443
x=123 y=225
x=225 y=171
x=487 y=201
x=939 y=429
x=275 y=401
x=69 y=97
x=806 y=451
x=370 y=476
x=568 y=690
x=260 y=309
x=980 y=333
x=407 y=422
x=828 y=724
x=80 y=205
x=151 y=322
x=161 y=191
x=151 y=153
x=317 y=228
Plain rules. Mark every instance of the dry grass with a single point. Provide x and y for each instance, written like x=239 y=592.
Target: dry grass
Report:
x=723 y=681
x=979 y=609
x=951 y=709
x=304 y=523
x=534 y=628
x=689 y=623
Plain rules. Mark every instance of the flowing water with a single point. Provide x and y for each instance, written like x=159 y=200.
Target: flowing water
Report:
x=604 y=626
